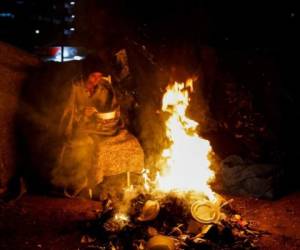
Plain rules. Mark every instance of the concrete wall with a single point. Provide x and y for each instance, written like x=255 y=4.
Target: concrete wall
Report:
x=14 y=65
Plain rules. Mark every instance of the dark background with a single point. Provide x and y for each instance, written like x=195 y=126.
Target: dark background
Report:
x=251 y=45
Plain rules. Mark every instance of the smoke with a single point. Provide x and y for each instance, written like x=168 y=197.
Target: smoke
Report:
x=42 y=100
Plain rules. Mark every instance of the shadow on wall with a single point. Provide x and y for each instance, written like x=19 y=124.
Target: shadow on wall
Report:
x=41 y=104
x=15 y=66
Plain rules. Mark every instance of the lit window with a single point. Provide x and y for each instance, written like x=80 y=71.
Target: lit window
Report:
x=78 y=58
x=6 y=14
x=69 y=54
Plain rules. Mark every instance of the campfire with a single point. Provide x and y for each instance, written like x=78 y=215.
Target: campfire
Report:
x=186 y=160
x=177 y=209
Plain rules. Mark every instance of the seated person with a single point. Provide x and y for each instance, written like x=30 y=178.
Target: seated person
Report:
x=97 y=143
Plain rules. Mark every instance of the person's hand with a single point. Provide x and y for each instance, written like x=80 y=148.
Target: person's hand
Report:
x=89 y=111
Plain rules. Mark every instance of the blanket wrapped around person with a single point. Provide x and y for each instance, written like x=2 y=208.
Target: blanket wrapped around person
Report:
x=96 y=144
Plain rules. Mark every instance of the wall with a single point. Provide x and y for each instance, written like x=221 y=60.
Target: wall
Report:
x=14 y=66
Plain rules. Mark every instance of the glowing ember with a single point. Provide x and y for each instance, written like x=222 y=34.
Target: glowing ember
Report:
x=121 y=217
x=146 y=178
x=187 y=164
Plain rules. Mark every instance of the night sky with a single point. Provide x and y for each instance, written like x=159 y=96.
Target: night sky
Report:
x=242 y=25
x=247 y=25
x=249 y=28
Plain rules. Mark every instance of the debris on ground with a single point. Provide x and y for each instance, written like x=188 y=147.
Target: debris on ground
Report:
x=169 y=225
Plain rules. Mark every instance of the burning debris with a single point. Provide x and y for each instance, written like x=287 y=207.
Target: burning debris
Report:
x=174 y=226
x=178 y=209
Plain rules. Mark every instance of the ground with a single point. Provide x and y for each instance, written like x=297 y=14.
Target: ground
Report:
x=40 y=222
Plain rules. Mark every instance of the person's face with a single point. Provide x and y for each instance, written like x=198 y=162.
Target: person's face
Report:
x=94 y=78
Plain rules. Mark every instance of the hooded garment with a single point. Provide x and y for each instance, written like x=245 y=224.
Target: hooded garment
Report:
x=96 y=146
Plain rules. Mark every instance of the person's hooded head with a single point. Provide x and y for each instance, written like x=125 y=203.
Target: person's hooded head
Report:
x=93 y=65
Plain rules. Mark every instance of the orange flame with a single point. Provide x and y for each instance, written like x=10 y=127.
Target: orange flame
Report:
x=187 y=165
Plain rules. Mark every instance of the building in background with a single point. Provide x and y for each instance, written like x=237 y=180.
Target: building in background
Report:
x=36 y=25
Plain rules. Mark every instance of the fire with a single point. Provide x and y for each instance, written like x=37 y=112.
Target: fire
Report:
x=186 y=160
x=121 y=217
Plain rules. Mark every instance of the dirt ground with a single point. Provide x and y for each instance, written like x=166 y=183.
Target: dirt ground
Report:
x=39 y=222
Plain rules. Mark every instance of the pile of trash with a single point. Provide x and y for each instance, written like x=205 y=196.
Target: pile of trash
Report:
x=171 y=222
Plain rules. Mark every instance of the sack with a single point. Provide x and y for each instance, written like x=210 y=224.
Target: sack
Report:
x=258 y=180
